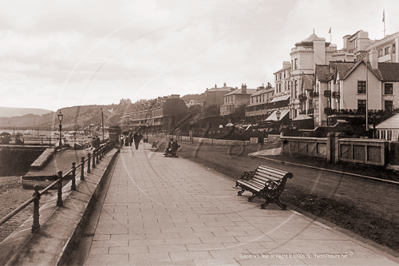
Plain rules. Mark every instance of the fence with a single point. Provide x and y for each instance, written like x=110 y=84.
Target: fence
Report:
x=91 y=160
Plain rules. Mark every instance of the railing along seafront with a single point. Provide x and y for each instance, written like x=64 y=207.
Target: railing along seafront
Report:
x=91 y=159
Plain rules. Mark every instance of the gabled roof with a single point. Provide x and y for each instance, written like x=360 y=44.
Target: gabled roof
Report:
x=341 y=68
x=389 y=71
x=376 y=72
x=390 y=123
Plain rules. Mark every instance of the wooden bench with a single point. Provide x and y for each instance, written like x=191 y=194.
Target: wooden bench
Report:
x=266 y=183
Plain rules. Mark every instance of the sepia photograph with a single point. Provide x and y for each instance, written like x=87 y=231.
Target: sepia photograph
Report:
x=195 y=133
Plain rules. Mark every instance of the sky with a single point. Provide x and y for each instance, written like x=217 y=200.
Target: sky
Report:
x=56 y=54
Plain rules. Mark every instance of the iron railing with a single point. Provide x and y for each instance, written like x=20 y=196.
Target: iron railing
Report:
x=91 y=160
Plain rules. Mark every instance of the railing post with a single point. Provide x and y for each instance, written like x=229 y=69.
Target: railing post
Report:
x=94 y=159
x=36 y=202
x=59 y=199
x=73 y=187
x=82 y=170
x=88 y=163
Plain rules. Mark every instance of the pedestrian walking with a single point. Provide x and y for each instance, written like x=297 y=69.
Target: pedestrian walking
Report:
x=137 y=138
x=122 y=140
x=130 y=139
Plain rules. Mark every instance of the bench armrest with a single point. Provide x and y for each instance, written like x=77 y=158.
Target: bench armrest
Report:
x=247 y=175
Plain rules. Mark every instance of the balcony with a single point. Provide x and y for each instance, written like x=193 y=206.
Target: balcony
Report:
x=327 y=93
x=335 y=94
x=302 y=97
x=314 y=94
x=328 y=111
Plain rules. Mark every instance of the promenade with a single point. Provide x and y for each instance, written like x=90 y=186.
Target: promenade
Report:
x=170 y=211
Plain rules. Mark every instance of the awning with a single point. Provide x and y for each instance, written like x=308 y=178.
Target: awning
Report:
x=273 y=116
x=280 y=98
x=302 y=117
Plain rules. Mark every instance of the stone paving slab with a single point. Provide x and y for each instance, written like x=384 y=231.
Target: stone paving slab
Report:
x=170 y=211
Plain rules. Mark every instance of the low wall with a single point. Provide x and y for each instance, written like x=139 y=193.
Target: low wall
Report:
x=355 y=150
x=216 y=141
x=367 y=151
x=316 y=147
x=60 y=227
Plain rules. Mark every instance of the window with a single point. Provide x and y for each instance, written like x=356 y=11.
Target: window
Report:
x=295 y=63
x=296 y=89
x=388 y=105
x=387 y=50
x=388 y=88
x=361 y=86
x=361 y=105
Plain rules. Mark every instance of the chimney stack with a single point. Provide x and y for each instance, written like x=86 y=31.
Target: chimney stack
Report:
x=373 y=59
x=244 y=88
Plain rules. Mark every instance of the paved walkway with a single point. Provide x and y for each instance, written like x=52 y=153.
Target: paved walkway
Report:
x=170 y=211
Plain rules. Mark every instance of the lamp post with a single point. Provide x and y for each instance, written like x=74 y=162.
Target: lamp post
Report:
x=278 y=115
x=60 y=117
x=147 y=130
x=102 y=121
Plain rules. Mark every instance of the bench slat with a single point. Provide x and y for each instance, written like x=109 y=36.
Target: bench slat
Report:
x=274 y=175
x=280 y=176
x=271 y=170
x=248 y=185
x=266 y=176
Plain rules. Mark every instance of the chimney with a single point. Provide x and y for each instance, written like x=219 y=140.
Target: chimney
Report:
x=374 y=59
x=215 y=86
x=244 y=89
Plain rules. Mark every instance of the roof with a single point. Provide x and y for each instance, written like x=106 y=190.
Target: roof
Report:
x=284 y=68
x=390 y=123
x=309 y=41
x=376 y=72
x=280 y=98
x=239 y=91
x=341 y=68
x=273 y=116
x=389 y=71
x=221 y=89
x=307 y=81
x=262 y=91
x=323 y=73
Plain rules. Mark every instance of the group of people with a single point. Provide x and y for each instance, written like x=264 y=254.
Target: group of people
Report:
x=128 y=140
x=171 y=149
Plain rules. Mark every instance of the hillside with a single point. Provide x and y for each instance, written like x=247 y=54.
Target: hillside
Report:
x=76 y=117
x=16 y=111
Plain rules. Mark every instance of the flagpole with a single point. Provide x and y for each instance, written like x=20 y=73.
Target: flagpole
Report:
x=383 y=20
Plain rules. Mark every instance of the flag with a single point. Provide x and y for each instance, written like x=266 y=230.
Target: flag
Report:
x=383 y=15
x=329 y=30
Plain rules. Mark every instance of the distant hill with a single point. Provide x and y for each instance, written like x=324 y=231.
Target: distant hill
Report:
x=75 y=117
x=16 y=111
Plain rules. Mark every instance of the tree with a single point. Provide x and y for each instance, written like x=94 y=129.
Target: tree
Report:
x=211 y=110
x=239 y=113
